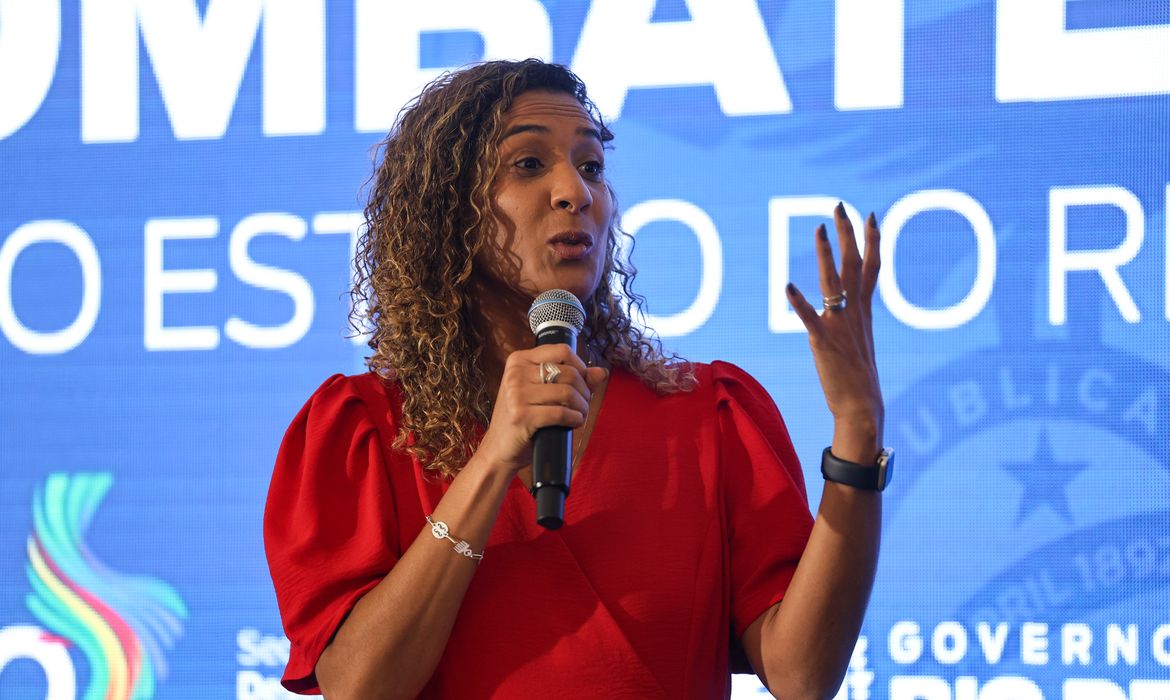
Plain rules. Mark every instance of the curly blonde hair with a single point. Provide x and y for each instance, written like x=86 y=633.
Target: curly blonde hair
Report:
x=427 y=217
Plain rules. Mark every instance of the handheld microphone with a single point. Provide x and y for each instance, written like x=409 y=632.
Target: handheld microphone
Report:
x=556 y=316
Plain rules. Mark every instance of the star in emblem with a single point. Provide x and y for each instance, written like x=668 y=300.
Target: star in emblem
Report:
x=1045 y=480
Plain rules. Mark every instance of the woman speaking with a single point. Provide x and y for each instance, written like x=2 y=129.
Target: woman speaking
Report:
x=400 y=529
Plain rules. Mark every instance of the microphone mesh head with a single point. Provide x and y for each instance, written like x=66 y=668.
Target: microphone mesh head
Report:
x=556 y=305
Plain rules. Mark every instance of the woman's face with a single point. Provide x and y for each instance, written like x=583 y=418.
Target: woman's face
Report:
x=550 y=203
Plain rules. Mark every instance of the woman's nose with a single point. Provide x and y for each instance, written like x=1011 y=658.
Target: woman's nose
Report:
x=570 y=191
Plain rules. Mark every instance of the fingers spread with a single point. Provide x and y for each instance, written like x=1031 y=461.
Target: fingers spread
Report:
x=830 y=282
x=808 y=315
x=872 y=262
x=850 y=256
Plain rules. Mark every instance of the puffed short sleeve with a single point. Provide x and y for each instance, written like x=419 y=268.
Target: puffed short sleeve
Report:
x=329 y=530
x=765 y=500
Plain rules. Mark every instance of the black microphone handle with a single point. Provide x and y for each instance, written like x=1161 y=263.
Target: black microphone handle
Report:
x=552 y=450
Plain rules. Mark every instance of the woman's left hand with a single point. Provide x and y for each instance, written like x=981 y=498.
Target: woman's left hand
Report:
x=842 y=339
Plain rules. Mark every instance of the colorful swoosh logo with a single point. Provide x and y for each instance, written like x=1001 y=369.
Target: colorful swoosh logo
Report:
x=121 y=623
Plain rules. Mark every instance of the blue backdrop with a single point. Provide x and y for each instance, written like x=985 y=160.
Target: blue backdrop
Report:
x=180 y=182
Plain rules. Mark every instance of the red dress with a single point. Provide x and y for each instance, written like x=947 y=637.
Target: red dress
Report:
x=686 y=520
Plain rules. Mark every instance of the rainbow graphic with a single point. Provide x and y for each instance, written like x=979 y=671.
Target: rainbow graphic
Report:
x=120 y=623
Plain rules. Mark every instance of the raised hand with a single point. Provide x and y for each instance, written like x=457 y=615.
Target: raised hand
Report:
x=841 y=338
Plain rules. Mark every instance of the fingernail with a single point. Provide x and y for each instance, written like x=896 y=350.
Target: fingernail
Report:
x=822 y=232
x=791 y=288
x=841 y=208
x=872 y=220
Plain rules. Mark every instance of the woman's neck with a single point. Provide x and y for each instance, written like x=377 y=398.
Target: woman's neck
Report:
x=501 y=340
x=502 y=322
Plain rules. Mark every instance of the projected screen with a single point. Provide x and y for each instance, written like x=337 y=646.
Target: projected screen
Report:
x=180 y=189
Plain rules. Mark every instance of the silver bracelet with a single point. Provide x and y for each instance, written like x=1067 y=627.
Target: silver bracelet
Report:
x=441 y=532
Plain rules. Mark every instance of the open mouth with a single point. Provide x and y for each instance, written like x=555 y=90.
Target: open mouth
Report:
x=571 y=245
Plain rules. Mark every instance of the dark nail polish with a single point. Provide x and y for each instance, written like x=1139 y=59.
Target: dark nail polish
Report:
x=840 y=208
x=791 y=288
x=872 y=220
x=822 y=232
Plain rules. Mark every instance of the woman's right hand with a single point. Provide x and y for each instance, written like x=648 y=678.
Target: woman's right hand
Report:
x=525 y=404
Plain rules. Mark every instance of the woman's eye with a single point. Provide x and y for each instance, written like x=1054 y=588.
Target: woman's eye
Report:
x=529 y=163
x=593 y=168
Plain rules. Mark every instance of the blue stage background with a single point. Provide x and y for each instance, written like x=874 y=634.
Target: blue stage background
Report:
x=173 y=279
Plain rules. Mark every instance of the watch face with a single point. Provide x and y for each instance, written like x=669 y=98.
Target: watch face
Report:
x=885 y=467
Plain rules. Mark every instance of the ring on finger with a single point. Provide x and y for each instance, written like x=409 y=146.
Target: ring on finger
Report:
x=835 y=302
x=549 y=373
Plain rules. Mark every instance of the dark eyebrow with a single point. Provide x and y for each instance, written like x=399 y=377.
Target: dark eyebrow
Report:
x=540 y=129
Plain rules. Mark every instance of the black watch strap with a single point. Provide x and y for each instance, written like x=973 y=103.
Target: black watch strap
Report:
x=871 y=477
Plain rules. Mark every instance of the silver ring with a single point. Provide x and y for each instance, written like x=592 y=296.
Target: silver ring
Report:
x=835 y=302
x=549 y=373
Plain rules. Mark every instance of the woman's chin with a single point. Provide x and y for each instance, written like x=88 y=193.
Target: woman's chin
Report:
x=582 y=285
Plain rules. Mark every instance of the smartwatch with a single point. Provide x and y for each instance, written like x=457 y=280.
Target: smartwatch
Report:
x=870 y=477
